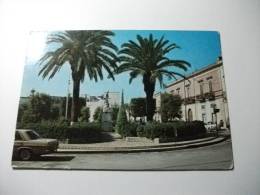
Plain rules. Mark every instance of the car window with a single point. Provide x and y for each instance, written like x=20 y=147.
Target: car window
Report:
x=17 y=136
x=33 y=135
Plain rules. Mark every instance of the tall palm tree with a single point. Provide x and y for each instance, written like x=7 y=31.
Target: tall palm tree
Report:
x=147 y=58
x=86 y=52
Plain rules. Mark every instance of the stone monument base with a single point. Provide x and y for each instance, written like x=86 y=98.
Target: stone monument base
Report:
x=107 y=124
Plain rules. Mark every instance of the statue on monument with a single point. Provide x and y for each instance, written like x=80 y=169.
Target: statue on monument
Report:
x=107 y=114
x=106 y=102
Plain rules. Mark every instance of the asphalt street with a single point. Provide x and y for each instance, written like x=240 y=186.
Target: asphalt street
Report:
x=214 y=157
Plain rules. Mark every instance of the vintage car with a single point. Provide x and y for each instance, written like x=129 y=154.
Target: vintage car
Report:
x=29 y=144
x=210 y=126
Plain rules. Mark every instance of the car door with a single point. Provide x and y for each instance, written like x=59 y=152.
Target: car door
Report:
x=19 y=142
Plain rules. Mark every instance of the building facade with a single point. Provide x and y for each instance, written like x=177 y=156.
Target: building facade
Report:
x=204 y=95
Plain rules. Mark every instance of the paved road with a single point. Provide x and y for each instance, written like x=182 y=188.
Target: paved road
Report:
x=218 y=156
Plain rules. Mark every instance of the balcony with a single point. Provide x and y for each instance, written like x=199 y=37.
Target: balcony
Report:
x=210 y=96
x=189 y=100
x=201 y=98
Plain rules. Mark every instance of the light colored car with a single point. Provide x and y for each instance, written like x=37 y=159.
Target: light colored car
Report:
x=210 y=126
x=28 y=144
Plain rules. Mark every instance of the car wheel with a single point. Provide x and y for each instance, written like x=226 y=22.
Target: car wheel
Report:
x=25 y=154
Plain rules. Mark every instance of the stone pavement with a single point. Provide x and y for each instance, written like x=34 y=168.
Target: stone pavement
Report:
x=121 y=145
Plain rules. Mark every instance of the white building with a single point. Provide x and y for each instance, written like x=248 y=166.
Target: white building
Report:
x=202 y=92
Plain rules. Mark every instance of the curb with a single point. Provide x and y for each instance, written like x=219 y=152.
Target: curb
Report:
x=156 y=148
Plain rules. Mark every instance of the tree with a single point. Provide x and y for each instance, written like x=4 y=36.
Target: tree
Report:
x=115 y=110
x=38 y=108
x=137 y=107
x=97 y=112
x=85 y=114
x=22 y=108
x=121 y=121
x=170 y=107
x=55 y=112
x=147 y=57
x=86 y=52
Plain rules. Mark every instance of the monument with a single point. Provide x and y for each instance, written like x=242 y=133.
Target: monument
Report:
x=106 y=122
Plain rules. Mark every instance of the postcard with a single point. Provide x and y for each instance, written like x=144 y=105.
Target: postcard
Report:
x=144 y=100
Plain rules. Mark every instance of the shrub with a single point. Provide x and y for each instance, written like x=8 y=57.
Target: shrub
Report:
x=121 y=121
x=84 y=133
x=78 y=133
x=140 y=130
x=130 y=129
x=176 y=129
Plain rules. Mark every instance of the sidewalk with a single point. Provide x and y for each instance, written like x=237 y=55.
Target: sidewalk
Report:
x=122 y=146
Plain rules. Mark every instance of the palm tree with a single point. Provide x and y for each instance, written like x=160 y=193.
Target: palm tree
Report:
x=86 y=52
x=147 y=58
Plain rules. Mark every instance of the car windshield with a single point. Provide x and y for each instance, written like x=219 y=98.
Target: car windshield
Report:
x=33 y=135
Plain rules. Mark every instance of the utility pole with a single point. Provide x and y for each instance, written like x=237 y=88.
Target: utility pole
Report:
x=67 y=100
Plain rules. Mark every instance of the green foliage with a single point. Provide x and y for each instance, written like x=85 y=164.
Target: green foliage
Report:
x=54 y=112
x=97 y=114
x=176 y=129
x=78 y=133
x=88 y=53
x=39 y=107
x=22 y=108
x=146 y=57
x=130 y=129
x=85 y=114
x=40 y=104
x=84 y=133
x=99 y=120
x=137 y=107
x=121 y=121
x=115 y=110
x=29 y=117
x=140 y=131
x=170 y=107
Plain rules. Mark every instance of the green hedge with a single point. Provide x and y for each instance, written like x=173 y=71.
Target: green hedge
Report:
x=178 y=129
x=130 y=129
x=78 y=133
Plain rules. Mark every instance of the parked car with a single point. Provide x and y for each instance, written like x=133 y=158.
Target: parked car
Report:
x=28 y=144
x=210 y=126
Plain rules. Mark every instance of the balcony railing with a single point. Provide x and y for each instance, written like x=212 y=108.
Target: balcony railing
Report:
x=189 y=100
x=210 y=96
x=200 y=98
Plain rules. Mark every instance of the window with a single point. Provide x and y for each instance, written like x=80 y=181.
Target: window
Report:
x=210 y=86
x=188 y=90
x=17 y=136
x=201 y=89
x=178 y=90
x=212 y=105
x=202 y=106
x=204 y=119
x=32 y=135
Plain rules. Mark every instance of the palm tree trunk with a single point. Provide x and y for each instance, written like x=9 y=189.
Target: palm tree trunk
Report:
x=149 y=90
x=149 y=106
x=75 y=100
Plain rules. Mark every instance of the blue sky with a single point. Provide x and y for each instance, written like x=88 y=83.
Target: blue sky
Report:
x=199 y=48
